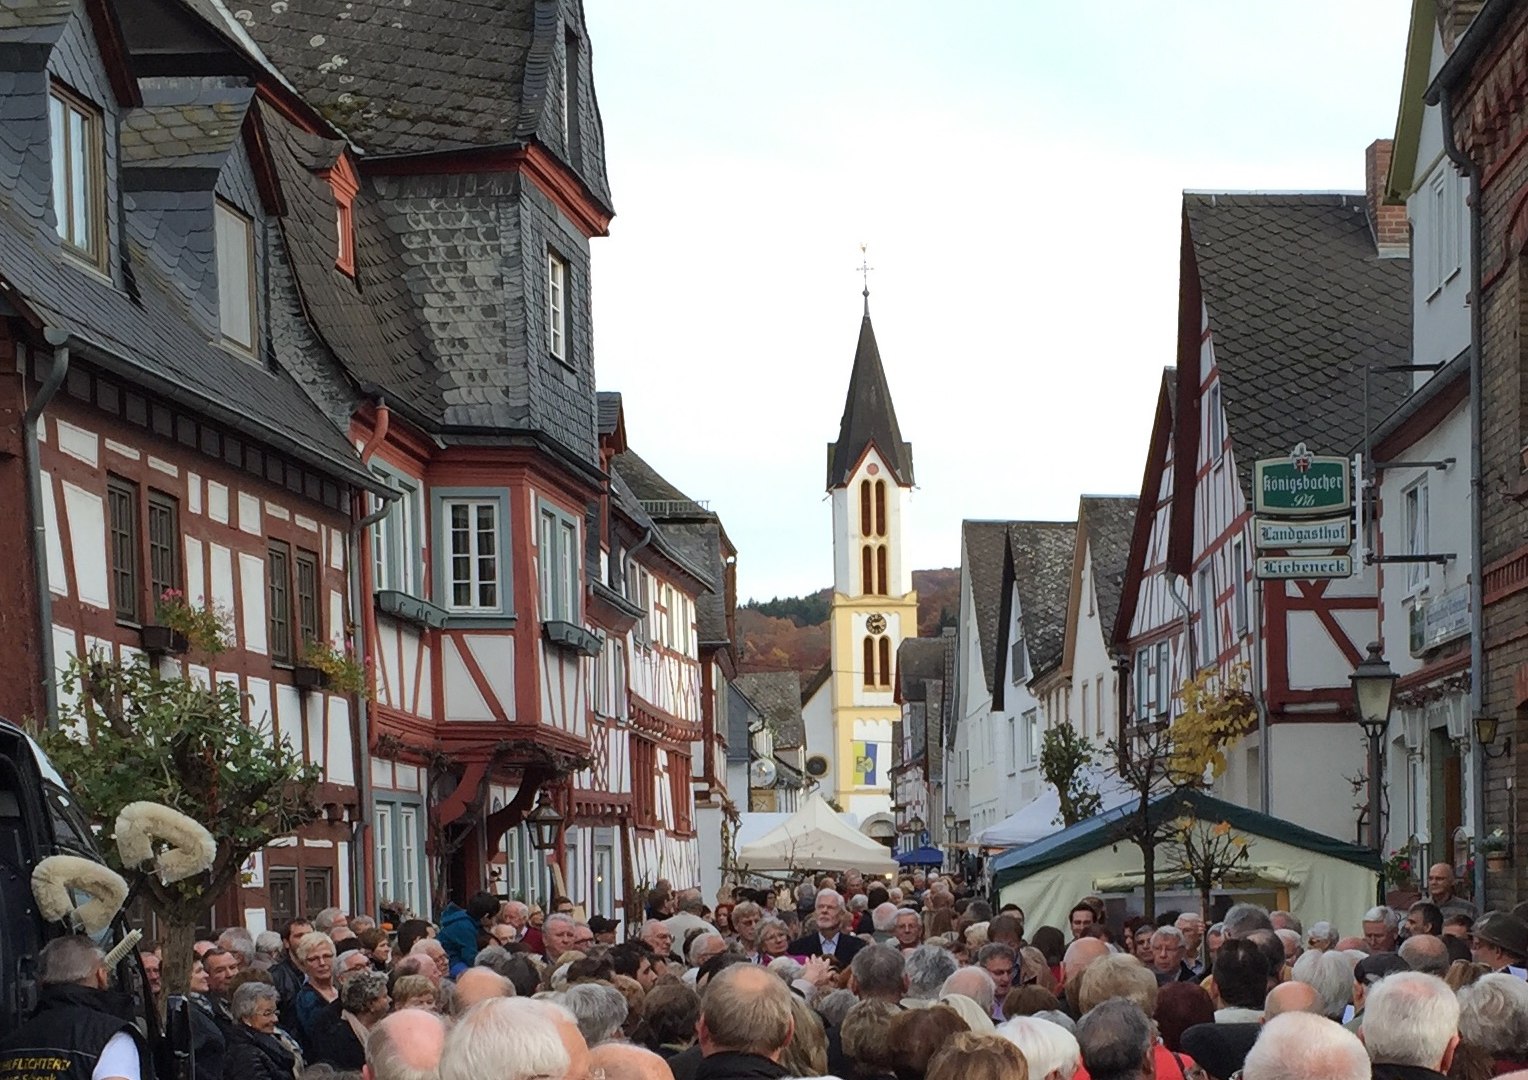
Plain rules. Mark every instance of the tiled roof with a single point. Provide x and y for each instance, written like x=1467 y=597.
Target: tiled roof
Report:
x=1108 y=521
x=1042 y=570
x=777 y=694
x=1298 y=303
x=869 y=417
x=983 y=546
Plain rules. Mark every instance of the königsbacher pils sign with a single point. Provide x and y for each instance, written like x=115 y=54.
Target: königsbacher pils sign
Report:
x=1301 y=485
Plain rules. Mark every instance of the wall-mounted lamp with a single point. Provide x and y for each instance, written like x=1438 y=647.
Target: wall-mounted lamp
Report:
x=1486 y=728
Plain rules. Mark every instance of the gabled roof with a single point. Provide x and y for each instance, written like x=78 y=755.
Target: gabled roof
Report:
x=1041 y=565
x=777 y=696
x=646 y=482
x=1157 y=450
x=1298 y=303
x=869 y=418
x=819 y=679
x=919 y=662
x=983 y=551
x=1107 y=521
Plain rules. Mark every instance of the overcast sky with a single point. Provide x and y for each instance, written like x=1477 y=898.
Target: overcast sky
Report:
x=1016 y=169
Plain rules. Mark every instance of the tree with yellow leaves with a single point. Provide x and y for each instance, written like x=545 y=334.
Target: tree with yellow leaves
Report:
x=1207 y=854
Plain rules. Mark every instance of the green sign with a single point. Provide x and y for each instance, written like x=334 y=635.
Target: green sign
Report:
x=1301 y=485
x=1302 y=567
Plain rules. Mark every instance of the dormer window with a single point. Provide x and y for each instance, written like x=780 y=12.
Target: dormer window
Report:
x=79 y=189
x=235 y=237
x=344 y=183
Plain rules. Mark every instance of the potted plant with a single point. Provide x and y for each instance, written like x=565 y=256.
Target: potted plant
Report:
x=180 y=625
x=323 y=666
x=1494 y=847
x=1398 y=871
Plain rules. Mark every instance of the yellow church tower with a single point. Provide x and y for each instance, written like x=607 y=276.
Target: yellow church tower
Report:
x=870 y=479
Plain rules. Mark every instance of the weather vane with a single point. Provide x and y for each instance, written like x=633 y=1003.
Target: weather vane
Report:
x=865 y=269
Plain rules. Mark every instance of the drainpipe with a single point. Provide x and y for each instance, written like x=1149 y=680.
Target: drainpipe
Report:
x=1477 y=487
x=360 y=584
x=30 y=422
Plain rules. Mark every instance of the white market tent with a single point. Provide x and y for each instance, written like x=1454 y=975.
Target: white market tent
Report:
x=1039 y=817
x=1307 y=873
x=816 y=838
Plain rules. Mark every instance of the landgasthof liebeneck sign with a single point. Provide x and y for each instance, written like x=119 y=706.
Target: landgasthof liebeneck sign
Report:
x=1301 y=485
x=1303 y=567
x=1294 y=535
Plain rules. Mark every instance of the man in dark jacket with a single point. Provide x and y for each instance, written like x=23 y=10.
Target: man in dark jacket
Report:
x=285 y=973
x=1410 y=1027
x=745 y=1025
x=81 y=1029
x=828 y=939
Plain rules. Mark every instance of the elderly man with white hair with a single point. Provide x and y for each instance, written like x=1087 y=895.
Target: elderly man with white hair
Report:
x=1191 y=925
x=515 y=1039
x=1493 y=1017
x=828 y=939
x=1301 y=1046
x=1330 y=974
x=1050 y=1050
x=1410 y=1026
x=1381 y=926
x=884 y=920
x=405 y=1046
x=970 y=984
x=927 y=967
x=1322 y=936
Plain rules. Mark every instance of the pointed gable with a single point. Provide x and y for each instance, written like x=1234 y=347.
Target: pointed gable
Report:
x=1106 y=522
x=1157 y=454
x=1040 y=558
x=984 y=549
x=869 y=419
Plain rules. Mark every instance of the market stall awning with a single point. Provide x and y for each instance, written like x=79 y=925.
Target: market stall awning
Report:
x=924 y=856
x=816 y=838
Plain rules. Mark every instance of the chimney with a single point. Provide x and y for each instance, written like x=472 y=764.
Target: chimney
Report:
x=1454 y=18
x=1387 y=221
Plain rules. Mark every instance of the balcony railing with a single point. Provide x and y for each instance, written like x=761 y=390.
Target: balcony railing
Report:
x=661 y=508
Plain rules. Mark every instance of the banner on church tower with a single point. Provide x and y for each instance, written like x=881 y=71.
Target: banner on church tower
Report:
x=865 y=762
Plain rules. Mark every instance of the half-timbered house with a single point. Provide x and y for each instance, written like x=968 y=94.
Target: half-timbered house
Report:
x=173 y=420
x=921 y=665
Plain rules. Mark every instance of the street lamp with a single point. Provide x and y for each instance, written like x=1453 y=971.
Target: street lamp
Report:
x=1373 y=696
x=915 y=826
x=545 y=823
x=1486 y=728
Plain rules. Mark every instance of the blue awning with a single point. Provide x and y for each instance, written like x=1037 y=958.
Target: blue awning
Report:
x=924 y=856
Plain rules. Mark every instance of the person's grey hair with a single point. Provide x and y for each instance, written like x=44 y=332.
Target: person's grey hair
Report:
x=68 y=961
x=1409 y=1019
x=269 y=943
x=755 y=1019
x=1389 y=916
x=1115 y=1037
x=1294 y=923
x=360 y=988
x=884 y=917
x=1426 y=953
x=561 y=917
x=927 y=967
x=859 y=902
x=833 y=1007
x=1243 y=919
x=1323 y=931
x=238 y=940
x=996 y=949
x=787 y=968
x=1216 y=928
x=337 y=965
x=1331 y=976
x=700 y=942
x=806 y=891
x=974 y=983
x=247 y=998
x=1062 y=1021
x=1188 y=918
x=907 y=911
x=1168 y=933
x=495 y=958
x=324 y=921
x=1493 y=1013
x=599 y=1008
x=692 y=903
x=507 y=1039
x=384 y=1056
x=878 y=971
x=1303 y=1046
x=1286 y=936
x=771 y=922
x=1047 y=1046
x=834 y=893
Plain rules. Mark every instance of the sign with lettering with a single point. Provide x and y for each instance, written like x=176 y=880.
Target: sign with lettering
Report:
x=1295 y=535
x=1303 y=567
x=1446 y=617
x=1301 y=485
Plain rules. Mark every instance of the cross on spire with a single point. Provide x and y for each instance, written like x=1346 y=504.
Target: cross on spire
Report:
x=864 y=270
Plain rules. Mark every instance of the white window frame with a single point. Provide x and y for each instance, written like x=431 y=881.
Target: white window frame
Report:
x=475 y=580
x=604 y=879
x=1215 y=421
x=557 y=548
x=408 y=858
x=1163 y=665
x=76 y=144
x=1239 y=583
x=1013 y=745
x=1204 y=594
x=384 y=826
x=1018 y=661
x=231 y=222
x=1083 y=727
x=1098 y=705
x=1145 y=684
x=1031 y=738
x=1416 y=516
x=557 y=305
x=396 y=539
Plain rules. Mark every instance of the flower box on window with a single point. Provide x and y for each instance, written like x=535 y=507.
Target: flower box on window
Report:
x=307 y=677
x=160 y=640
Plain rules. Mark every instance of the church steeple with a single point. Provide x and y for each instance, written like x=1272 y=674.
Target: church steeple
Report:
x=869 y=417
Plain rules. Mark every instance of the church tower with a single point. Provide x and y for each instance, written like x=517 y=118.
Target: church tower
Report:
x=870 y=477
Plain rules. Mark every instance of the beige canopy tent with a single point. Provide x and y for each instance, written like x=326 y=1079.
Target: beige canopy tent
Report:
x=816 y=838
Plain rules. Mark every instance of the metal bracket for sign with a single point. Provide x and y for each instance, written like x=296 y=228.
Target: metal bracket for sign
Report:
x=1442 y=464
x=1441 y=560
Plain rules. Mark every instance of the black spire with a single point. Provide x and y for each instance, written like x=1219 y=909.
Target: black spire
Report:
x=869 y=417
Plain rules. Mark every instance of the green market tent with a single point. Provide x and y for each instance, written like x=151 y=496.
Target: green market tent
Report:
x=1324 y=878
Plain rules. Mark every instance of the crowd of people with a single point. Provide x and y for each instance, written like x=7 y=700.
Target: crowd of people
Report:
x=840 y=976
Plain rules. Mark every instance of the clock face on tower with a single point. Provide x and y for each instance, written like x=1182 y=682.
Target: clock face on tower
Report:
x=876 y=624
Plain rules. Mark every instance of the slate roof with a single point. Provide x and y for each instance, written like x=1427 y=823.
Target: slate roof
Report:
x=1042 y=569
x=983 y=546
x=919 y=661
x=869 y=417
x=608 y=416
x=190 y=133
x=819 y=679
x=1298 y=303
x=34 y=21
x=740 y=715
x=648 y=484
x=1108 y=521
x=777 y=694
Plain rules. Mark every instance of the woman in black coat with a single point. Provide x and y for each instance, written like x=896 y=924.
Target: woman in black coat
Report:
x=255 y=1051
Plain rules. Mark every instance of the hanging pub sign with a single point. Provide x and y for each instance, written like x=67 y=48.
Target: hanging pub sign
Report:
x=1303 y=567
x=1334 y=532
x=1302 y=485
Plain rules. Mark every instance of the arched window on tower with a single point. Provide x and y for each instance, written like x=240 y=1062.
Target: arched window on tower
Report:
x=867 y=571
x=880 y=570
x=885 y=661
x=870 y=662
x=865 y=519
x=880 y=508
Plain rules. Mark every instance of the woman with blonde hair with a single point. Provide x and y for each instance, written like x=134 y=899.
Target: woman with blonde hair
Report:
x=807 y=1054
x=969 y=1056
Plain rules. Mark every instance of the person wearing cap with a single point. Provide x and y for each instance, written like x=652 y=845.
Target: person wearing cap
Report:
x=1368 y=971
x=1500 y=941
x=604 y=929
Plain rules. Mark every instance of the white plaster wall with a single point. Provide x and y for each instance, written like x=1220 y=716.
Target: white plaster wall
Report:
x=1309 y=764
x=847 y=537
x=1091 y=661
